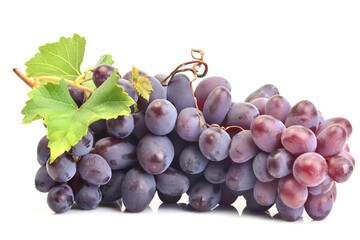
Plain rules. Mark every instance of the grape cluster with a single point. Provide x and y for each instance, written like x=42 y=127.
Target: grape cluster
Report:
x=285 y=155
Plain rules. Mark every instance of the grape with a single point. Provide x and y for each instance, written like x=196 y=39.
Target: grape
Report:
x=292 y=193
x=215 y=172
x=266 y=132
x=77 y=95
x=323 y=187
x=158 y=92
x=60 y=198
x=242 y=147
x=128 y=76
x=280 y=163
x=155 y=153
x=227 y=198
x=240 y=176
x=278 y=107
x=214 y=143
x=160 y=117
x=331 y=140
x=140 y=129
x=310 y=169
x=347 y=155
x=112 y=190
x=128 y=88
x=188 y=124
x=260 y=104
x=217 y=105
x=101 y=73
x=318 y=207
x=340 y=168
x=260 y=167
x=204 y=196
x=94 y=169
x=138 y=189
x=172 y=182
x=206 y=86
x=84 y=146
x=120 y=127
x=62 y=169
x=253 y=205
x=333 y=191
x=265 y=193
x=43 y=182
x=266 y=91
x=87 y=196
x=341 y=121
x=191 y=160
x=298 y=140
x=118 y=153
x=43 y=151
x=178 y=143
x=288 y=214
x=98 y=129
x=240 y=114
x=303 y=113
x=179 y=92
x=160 y=77
x=168 y=199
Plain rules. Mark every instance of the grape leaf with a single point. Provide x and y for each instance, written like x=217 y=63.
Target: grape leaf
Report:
x=61 y=59
x=66 y=123
x=142 y=85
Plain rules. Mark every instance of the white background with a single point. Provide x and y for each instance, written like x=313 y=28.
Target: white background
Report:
x=308 y=49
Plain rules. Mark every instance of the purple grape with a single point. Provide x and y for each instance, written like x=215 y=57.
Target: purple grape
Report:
x=178 y=143
x=298 y=140
x=304 y=113
x=98 y=129
x=179 y=92
x=214 y=143
x=43 y=182
x=217 y=105
x=120 y=127
x=240 y=177
x=242 y=147
x=331 y=140
x=278 y=107
x=241 y=114
x=160 y=117
x=62 y=169
x=340 y=168
x=310 y=169
x=204 y=196
x=318 y=207
x=84 y=146
x=101 y=73
x=265 y=193
x=215 y=172
x=323 y=187
x=112 y=190
x=155 y=153
x=77 y=95
x=260 y=104
x=172 y=182
x=253 y=205
x=266 y=91
x=168 y=199
x=87 y=196
x=94 y=169
x=60 y=198
x=140 y=129
x=227 y=198
x=138 y=189
x=332 y=121
x=289 y=214
x=118 y=153
x=280 y=163
x=260 y=167
x=266 y=132
x=128 y=88
x=206 y=86
x=292 y=193
x=188 y=124
x=192 y=161
x=128 y=76
x=43 y=151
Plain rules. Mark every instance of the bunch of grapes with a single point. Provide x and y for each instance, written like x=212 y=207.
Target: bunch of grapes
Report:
x=214 y=151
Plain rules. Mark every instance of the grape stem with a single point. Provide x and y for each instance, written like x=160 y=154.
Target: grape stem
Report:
x=33 y=83
x=197 y=63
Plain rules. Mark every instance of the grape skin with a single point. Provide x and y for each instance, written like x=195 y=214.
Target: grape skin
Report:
x=292 y=193
x=331 y=140
x=303 y=113
x=278 y=107
x=318 y=207
x=265 y=91
x=102 y=73
x=260 y=167
x=179 y=92
x=214 y=143
x=160 y=117
x=60 y=198
x=84 y=146
x=192 y=161
x=43 y=182
x=172 y=182
x=215 y=172
x=204 y=196
x=298 y=140
x=240 y=177
x=310 y=169
x=280 y=163
x=43 y=151
x=340 y=168
x=217 y=105
x=120 y=127
x=338 y=120
x=62 y=169
x=287 y=213
x=242 y=147
x=94 y=169
x=158 y=92
x=241 y=114
x=188 y=124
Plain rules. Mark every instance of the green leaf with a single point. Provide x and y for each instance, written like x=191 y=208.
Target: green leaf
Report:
x=61 y=59
x=142 y=85
x=66 y=123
